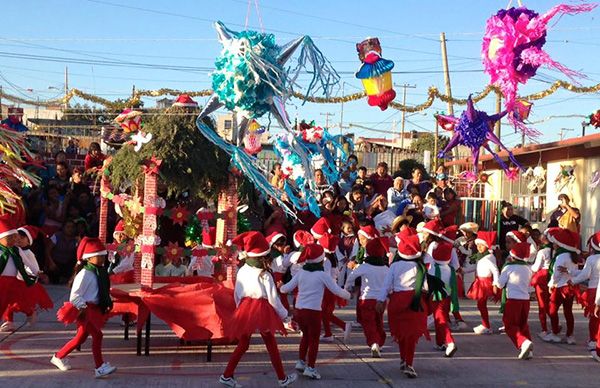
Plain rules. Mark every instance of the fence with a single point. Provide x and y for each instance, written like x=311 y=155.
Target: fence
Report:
x=481 y=211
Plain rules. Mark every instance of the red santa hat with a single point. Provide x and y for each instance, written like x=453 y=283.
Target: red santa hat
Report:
x=486 y=238
x=303 y=238
x=253 y=243
x=378 y=247
x=320 y=228
x=565 y=239
x=520 y=251
x=6 y=229
x=408 y=231
x=516 y=236
x=450 y=234
x=594 y=241
x=409 y=247
x=273 y=237
x=185 y=100
x=30 y=231
x=120 y=227
x=312 y=253
x=90 y=247
x=209 y=237
x=368 y=231
x=434 y=227
x=442 y=251
x=329 y=242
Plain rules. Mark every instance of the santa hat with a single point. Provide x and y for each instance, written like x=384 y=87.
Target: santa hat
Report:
x=565 y=239
x=516 y=236
x=6 y=229
x=312 y=253
x=442 y=251
x=329 y=242
x=486 y=238
x=30 y=231
x=378 y=247
x=303 y=238
x=450 y=234
x=434 y=227
x=520 y=251
x=209 y=238
x=409 y=247
x=320 y=227
x=368 y=231
x=408 y=231
x=185 y=100
x=273 y=237
x=594 y=241
x=120 y=227
x=469 y=227
x=90 y=247
x=253 y=243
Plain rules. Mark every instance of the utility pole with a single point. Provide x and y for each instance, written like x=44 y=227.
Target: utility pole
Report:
x=327 y=114
x=404 y=87
x=498 y=128
x=584 y=123
x=1 y=102
x=132 y=93
x=455 y=153
x=66 y=86
x=435 y=146
x=562 y=132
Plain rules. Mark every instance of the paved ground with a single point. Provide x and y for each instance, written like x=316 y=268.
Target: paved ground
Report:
x=480 y=361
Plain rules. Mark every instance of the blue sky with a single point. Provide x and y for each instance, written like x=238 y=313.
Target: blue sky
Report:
x=168 y=33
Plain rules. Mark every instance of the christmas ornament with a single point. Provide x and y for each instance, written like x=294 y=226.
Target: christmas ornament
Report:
x=173 y=250
x=566 y=177
x=536 y=177
x=594 y=181
x=130 y=120
x=193 y=232
x=375 y=73
x=595 y=119
x=252 y=141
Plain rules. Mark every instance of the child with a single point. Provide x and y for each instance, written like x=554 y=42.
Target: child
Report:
x=430 y=209
x=486 y=270
x=120 y=262
x=591 y=273
x=517 y=236
x=562 y=269
x=88 y=305
x=11 y=289
x=515 y=279
x=280 y=253
x=258 y=308
x=346 y=250
x=372 y=272
x=539 y=281
x=405 y=281
x=442 y=304
x=366 y=233
x=203 y=265
x=311 y=281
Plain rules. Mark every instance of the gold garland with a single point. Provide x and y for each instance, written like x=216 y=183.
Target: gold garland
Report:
x=432 y=94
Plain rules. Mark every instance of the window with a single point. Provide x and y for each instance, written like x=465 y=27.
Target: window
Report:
x=227 y=124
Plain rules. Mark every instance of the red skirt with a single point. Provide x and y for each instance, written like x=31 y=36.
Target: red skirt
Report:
x=38 y=297
x=540 y=278
x=406 y=324
x=482 y=288
x=68 y=313
x=15 y=293
x=255 y=316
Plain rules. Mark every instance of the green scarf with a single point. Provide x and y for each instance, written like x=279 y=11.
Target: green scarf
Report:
x=504 y=295
x=360 y=255
x=104 y=301
x=438 y=296
x=558 y=251
x=254 y=262
x=312 y=267
x=376 y=261
x=474 y=258
x=7 y=253
x=415 y=305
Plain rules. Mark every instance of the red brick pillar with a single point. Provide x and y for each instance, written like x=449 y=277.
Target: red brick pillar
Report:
x=149 y=229
x=227 y=223
x=105 y=188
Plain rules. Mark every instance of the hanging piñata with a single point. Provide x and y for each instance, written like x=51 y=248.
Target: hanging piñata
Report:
x=375 y=73
x=595 y=119
x=250 y=80
x=512 y=50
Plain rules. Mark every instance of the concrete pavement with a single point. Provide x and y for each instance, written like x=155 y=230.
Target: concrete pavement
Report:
x=480 y=360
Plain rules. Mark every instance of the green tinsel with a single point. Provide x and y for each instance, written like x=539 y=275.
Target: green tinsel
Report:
x=193 y=232
x=243 y=225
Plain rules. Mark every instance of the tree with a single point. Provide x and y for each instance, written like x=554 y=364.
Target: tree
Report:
x=426 y=142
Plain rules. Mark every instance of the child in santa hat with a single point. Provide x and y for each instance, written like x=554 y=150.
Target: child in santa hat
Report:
x=486 y=270
x=563 y=268
x=540 y=280
x=311 y=281
x=450 y=235
x=444 y=301
x=596 y=352
x=346 y=250
x=591 y=274
x=88 y=306
x=201 y=262
x=515 y=279
x=404 y=283
x=120 y=261
x=372 y=273
x=258 y=307
x=517 y=236
x=33 y=294
x=329 y=243
x=280 y=263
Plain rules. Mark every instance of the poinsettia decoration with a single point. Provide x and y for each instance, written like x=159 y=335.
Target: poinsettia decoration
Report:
x=179 y=215
x=173 y=250
x=152 y=165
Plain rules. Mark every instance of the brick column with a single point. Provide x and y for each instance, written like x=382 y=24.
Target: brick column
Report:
x=148 y=231
x=227 y=222
x=102 y=231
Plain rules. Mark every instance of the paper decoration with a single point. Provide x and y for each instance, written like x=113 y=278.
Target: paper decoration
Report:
x=537 y=178
x=595 y=119
x=375 y=73
x=130 y=120
x=565 y=178
x=252 y=141
x=594 y=181
x=179 y=215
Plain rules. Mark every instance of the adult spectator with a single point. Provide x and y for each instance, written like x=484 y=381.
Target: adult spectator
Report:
x=417 y=185
x=396 y=194
x=450 y=207
x=416 y=210
x=345 y=182
x=509 y=221
x=54 y=210
x=61 y=253
x=321 y=184
x=277 y=180
x=71 y=147
x=356 y=200
x=352 y=168
x=565 y=216
x=94 y=159
x=381 y=180
x=370 y=195
x=62 y=180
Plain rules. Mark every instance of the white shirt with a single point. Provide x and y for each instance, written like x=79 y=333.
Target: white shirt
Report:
x=10 y=269
x=256 y=283
x=125 y=264
x=293 y=260
x=383 y=221
x=31 y=265
x=202 y=265
x=558 y=278
x=445 y=272
x=84 y=289
x=516 y=279
x=486 y=267
x=311 y=286
x=373 y=277
x=401 y=276
x=590 y=271
x=542 y=259
x=281 y=263
x=428 y=258
x=597 y=301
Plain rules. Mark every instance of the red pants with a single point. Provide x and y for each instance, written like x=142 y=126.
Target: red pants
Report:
x=562 y=296
x=11 y=310
x=372 y=322
x=593 y=324
x=482 y=307
x=543 y=298
x=278 y=277
x=516 y=313
x=406 y=325
x=84 y=329
x=242 y=348
x=440 y=312
x=309 y=322
x=328 y=307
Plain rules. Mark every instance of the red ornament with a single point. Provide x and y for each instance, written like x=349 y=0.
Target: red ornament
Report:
x=179 y=215
x=595 y=119
x=152 y=166
x=173 y=250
